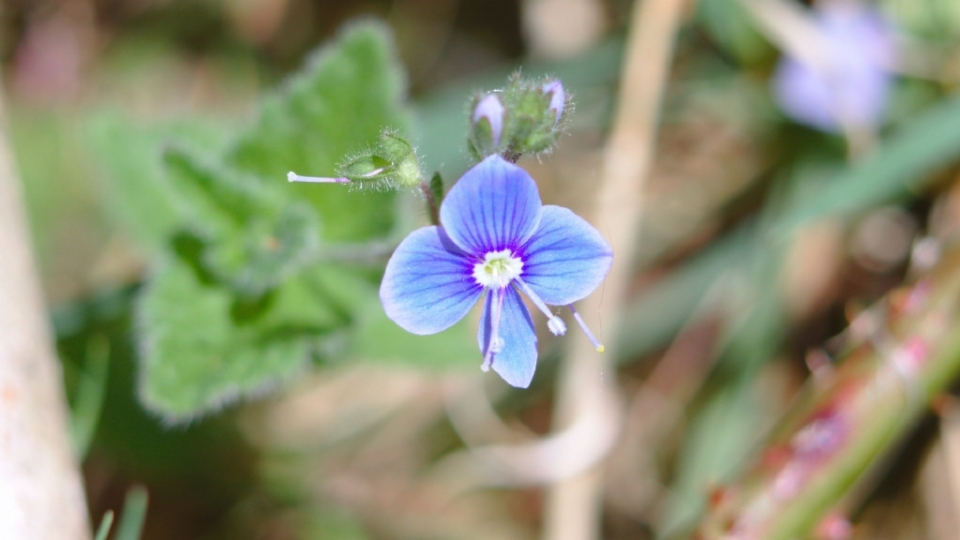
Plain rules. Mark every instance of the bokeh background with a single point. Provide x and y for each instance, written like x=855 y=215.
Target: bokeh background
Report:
x=722 y=315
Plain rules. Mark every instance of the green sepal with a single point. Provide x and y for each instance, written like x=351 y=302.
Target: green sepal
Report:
x=531 y=126
x=436 y=188
x=350 y=90
x=391 y=164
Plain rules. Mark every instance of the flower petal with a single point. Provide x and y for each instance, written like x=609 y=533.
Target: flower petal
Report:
x=494 y=206
x=517 y=359
x=428 y=286
x=566 y=259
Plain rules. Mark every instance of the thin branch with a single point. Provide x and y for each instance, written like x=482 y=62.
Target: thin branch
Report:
x=587 y=394
x=819 y=457
x=41 y=495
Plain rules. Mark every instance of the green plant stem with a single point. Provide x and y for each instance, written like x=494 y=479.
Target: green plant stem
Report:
x=433 y=205
x=818 y=456
x=586 y=391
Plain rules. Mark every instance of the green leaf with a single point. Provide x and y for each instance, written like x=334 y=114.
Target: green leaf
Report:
x=104 y=529
x=195 y=358
x=318 y=300
x=658 y=314
x=134 y=514
x=237 y=310
x=716 y=444
x=252 y=238
x=348 y=94
x=436 y=188
x=91 y=392
x=377 y=339
x=898 y=167
x=133 y=172
x=267 y=251
x=215 y=198
x=730 y=26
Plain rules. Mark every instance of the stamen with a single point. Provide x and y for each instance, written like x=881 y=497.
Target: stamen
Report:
x=294 y=177
x=554 y=324
x=494 y=342
x=583 y=326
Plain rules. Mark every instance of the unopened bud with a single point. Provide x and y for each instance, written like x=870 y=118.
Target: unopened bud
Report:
x=491 y=109
x=523 y=118
x=558 y=98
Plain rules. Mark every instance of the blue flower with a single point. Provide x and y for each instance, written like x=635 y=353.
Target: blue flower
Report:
x=852 y=86
x=496 y=241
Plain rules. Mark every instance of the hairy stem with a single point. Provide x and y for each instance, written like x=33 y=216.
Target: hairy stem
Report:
x=905 y=351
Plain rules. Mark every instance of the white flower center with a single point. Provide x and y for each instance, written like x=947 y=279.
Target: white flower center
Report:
x=497 y=269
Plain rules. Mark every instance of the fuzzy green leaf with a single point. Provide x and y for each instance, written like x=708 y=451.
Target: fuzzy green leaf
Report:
x=254 y=240
x=267 y=252
x=216 y=199
x=133 y=171
x=339 y=105
x=195 y=358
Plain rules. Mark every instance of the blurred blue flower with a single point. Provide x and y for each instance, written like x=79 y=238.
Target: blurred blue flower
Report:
x=496 y=240
x=850 y=85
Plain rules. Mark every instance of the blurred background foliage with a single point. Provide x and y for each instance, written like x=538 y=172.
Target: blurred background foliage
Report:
x=222 y=340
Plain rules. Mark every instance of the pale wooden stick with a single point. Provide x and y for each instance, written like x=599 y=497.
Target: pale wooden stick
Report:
x=587 y=392
x=41 y=495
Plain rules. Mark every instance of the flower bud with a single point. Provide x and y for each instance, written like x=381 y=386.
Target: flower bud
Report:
x=523 y=118
x=558 y=99
x=487 y=136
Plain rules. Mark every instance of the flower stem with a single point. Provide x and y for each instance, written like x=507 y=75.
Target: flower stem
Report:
x=818 y=456
x=433 y=202
x=587 y=390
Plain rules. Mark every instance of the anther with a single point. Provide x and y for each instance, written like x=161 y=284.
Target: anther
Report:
x=554 y=324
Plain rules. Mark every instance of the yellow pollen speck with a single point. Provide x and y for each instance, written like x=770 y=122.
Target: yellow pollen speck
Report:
x=601 y=348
